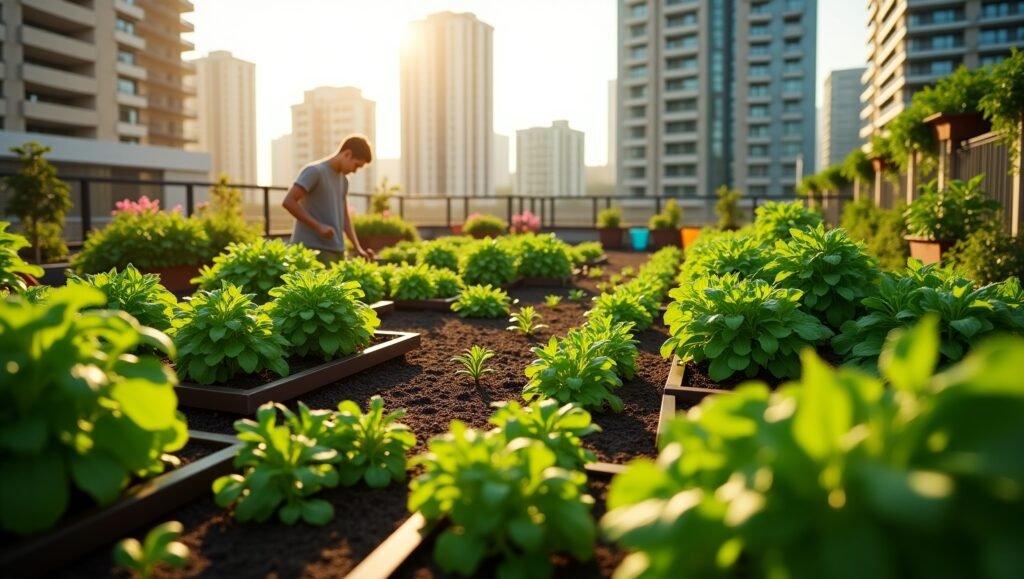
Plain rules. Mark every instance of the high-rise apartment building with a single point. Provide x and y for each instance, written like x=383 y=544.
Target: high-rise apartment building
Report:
x=169 y=85
x=549 y=161
x=322 y=121
x=282 y=161
x=447 y=106
x=715 y=92
x=502 y=170
x=913 y=43
x=840 y=126
x=226 y=123
x=613 y=126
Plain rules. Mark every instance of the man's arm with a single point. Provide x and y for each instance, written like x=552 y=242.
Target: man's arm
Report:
x=350 y=231
x=293 y=206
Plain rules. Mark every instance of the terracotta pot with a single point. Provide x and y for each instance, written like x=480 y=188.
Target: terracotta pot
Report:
x=929 y=250
x=689 y=235
x=664 y=238
x=176 y=278
x=611 y=237
x=378 y=242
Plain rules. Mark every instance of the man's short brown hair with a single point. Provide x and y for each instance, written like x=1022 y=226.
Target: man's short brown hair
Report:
x=360 y=147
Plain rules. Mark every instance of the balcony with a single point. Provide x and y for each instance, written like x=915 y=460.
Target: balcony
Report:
x=59 y=14
x=132 y=100
x=57 y=81
x=60 y=115
x=57 y=47
x=154 y=58
x=130 y=71
x=130 y=10
x=130 y=130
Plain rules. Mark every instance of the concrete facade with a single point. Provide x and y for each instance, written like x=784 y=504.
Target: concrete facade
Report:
x=549 y=161
x=841 y=124
x=282 y=161
x=322 y=121
x=226 y=123
x=502 y=167
x=447 y=100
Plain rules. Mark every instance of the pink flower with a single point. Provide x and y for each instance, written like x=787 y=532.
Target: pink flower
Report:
x=385 y=213
x=143 y=205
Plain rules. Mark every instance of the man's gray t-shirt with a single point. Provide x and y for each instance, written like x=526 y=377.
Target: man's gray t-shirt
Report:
x=325 y=201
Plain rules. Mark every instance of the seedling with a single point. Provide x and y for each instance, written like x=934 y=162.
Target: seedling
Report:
x=595 y=272
x=474 y=360
x=159 y=547
x=552 y=301
x=526 y=321
x=577 y=295
x=627 y=271
x=615 y=279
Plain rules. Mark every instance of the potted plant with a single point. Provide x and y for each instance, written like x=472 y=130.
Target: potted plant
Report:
x=938 y=219
x=609 y=228
x=664 y=226
x=39 y=200
x=481 y=226
x=379 y=230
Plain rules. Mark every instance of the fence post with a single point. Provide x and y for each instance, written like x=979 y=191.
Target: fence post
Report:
x=551 y=219
x=911 y=176
x=753 y=209
x=401 y=206
x=1018 y=186
x=190 y=200
x=448 y=212
x=85 y=203
x=266 y=212
x=465 y=208
x=878 y=164
x=508 y=208
x=593 y=201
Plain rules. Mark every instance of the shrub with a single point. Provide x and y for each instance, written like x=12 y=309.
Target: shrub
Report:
x=543 y=256
x=487 y=262
x=610 y=218
x=623 y=306
x=502 y=498
x=79 y=409
x=366 y=273
x=526 y=321
x=321 y=317
x=439 y=254
x=988 y=256
x=222 y=333
x=412 y=283
x=11 y=264
x=669 y=217
x=951 y=214
x=728 y=208
x=257 y=267
x=484 y=225
x=586 y=253
x=446 y=282
x=560 y=428
x=574 y=369
x=774 y=220
x=883 y=230
x=482 y=301
x=839 y=476
x=144 y=239
x=965 y=314
x=371 y=446
x=740 y=325
x=833 y=272
x=39 y=200
x=139 y=295
x=736 y=253
x=377 y=224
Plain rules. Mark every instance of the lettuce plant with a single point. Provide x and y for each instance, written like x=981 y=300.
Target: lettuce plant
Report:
x=482 y=301
x=833 y=272
x=402 y=253
x=552 y=301
x=11 y=265
x=619 y=343
x=841 y=475
x=559 y=427
x=412 y=283
x=321 y=317
x=283 y=466
x=77 y=408
x=729 y=253
x=504 y=499
x=257 y=267
x=370 y=446
x=366 y=273
x=440 y=254
x=577 y=295
x=158 y=548
x=740 y=325
x=574 y=369
x=140 y=295
x=543 y=256
x=447 y=283
x=222 y=333
x=623 y=306
x=586 y=252
x=487 y=262
x=774 y=220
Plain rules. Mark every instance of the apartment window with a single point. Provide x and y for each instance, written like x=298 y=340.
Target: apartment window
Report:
x=636 y=152
x=756 y=131
x=945 y=41
x=676 y=127
x=638 y=92
x=791 y=107
x=128 y=115
x=680 y=148
x=758 y=150
x=687 y=41
x=680 y=105
x=636 y=191
x=125 y=26
x=637 y=30
x=638 y=10
x=127 y=86
x=934 y=67
x=671 y=191
x=759 y=70
x=794 y=5
x=681 y=63
x=680 y=170
x=790 y=66
x=763 y=8
x=637 y=112
x=757 y=191
x=791 y=149
x=759 y=30
x=990 y=59
x=1001 y=9
x=130 y=140
x=759 y=90
x=675 y=84
x=760 y=49
x=791 y=128
x=637 y=172
x=792 y=85
x=758 y=111
x=792 y=46
x=637 y=132
x=638 y=52
x=944 y=16
x=126 y=57
x=677 y=20
x=757 y=171
x=639 y=71
x=1001 y=35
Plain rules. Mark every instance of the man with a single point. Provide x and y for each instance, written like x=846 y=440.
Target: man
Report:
x=319 y=201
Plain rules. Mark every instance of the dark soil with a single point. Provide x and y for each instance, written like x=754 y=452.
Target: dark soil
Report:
x=425 y=384
x=696 y=375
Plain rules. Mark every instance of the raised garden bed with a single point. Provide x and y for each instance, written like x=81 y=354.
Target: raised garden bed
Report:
x=434 y=305
x=140 y=504
x=543 y=282
x=383 y=308
x=246 y=400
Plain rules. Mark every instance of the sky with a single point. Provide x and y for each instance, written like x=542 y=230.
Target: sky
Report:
x=552 y=58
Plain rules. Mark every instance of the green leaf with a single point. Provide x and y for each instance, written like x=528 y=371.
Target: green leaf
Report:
x=458 y=552
x=150 y=405
x=733 y=322
x=910 y=355
x=248 y=361
x=33 y=492
x=825 y=412
x=26 y=435
x=99 y=475
x=317 y=512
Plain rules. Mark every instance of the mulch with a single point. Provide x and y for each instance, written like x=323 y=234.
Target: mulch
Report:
x=425 y=384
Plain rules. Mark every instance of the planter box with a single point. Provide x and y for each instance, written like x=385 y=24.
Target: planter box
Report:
x=676 y=396
x=610 y=237
x=929 y=250
x=415 y=531
x=688 y=235
x=139 y=505
x=378 y=242
x=176 y=278
x=247 y=401
x=55 y=274
x=664 y=238
x=383 y=308
x=434 y=305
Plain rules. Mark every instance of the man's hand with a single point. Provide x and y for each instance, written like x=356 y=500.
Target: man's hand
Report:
x=367 y=254
x=326 y=231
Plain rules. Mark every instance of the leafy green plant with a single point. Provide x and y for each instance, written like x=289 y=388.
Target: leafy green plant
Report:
x=586 y=253
x=144 y=239
x=502 y=498
x=39 y=200
x=526 y=321
x=222 y=333
x=1001 y=101
x=560 y=428
x=543 y=256
x=669 y=217
x=412 y=283
x=484 y=225
x=623 y=306
x=595 y=272
x=833 y=272
x=321 y=317
x=482 y=301
x=552 y=301
x=577 y=295
x=618 y=338
x=951 y=214
x=160 y=547
x=729 y=253
x=574 y=369
x=376 y=224
x=840 y=475
x=882 y=230
x=79 y=410
x=774 y=220
x=610 y=218
x=740 y=325
x=402 y=253
x=283 y=466
x=988 y=256
x=257 y=267
x=474 y=363
x=440 y=254
x=371 y=446
x=366 y=273
x=140 y=295
x=447 y=283
x=487 y=262
x=12 y=267
x=34 y=294
x=627 y=271
x=727 y=207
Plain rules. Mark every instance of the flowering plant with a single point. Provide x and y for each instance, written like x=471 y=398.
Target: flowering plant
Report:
x=525 y=222
x=143 y=205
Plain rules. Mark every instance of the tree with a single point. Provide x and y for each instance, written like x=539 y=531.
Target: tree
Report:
x=1003 y=106
x=727 y=207
x=39 y=200
x=382 y=194
x=857 y=165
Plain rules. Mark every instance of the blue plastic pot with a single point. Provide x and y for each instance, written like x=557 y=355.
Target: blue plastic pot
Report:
x=639 y=236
